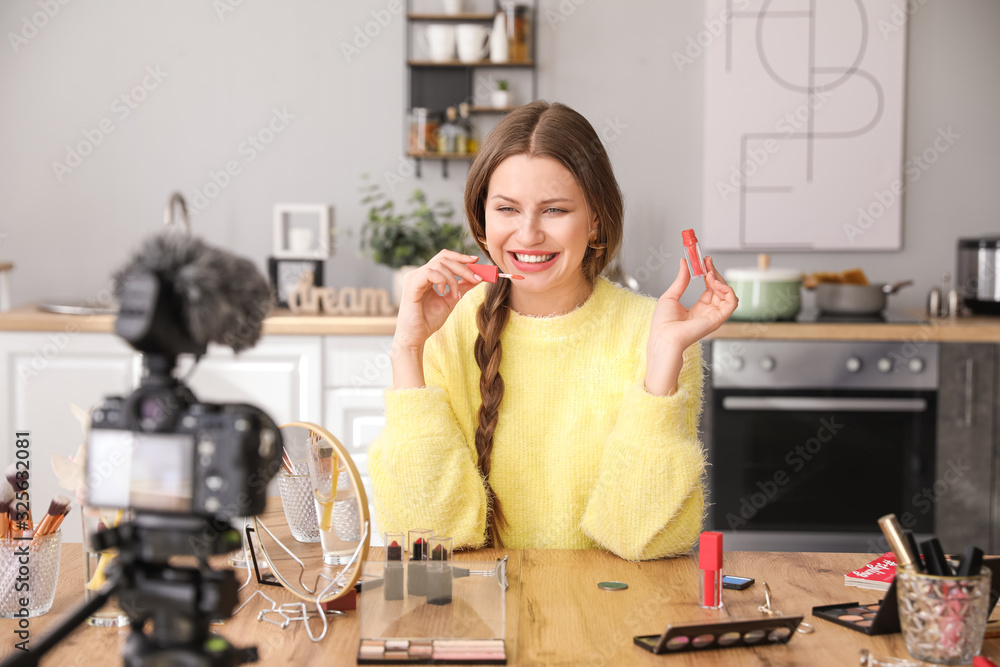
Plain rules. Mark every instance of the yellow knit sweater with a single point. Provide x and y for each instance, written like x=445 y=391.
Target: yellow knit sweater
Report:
x=583 y=456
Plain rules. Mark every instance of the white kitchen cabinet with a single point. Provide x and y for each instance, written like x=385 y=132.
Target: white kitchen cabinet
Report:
x=43 y=374
x=335 y=381
x=357 y=373
x=282 y=375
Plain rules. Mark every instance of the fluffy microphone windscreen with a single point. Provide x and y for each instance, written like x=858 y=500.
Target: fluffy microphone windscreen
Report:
x=224 y=298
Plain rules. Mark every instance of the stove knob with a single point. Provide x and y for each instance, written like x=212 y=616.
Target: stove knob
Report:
x=738 y=363
x=885 y=365
x=767 y=364
x=853 y=364
x=916 y=364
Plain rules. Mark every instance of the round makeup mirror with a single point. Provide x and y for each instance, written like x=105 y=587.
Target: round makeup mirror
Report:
x=315 y=535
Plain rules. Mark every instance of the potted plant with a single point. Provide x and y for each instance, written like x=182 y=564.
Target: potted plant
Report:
x=500 y=98
x=405 y=239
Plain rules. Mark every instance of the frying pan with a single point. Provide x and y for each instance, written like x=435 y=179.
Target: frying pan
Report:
x=845 y=299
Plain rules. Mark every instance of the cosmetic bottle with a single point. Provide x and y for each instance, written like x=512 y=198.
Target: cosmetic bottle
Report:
x=439 y=571
x=416 y=568
x=710 y=562
x=393 y=573
x=692 y=253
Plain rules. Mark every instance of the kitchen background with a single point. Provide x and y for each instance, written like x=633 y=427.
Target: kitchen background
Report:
x=210 y=74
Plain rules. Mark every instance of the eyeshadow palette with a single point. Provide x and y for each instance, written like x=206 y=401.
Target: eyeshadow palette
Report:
x=728 y=634
x=432 y=652
x=882 y=617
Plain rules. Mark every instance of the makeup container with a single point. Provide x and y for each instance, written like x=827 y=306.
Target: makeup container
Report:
x=439 y=573
x=710 y=562
x=727 y=634
x=416 y=568
x=393 y=573
x=692 y=253
x=943 y=618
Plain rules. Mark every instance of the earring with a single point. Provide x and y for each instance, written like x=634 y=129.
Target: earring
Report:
x=593 y=244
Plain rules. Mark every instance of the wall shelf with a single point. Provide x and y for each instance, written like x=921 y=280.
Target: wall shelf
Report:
x=459 y=63
x=467 y=16
x=438 y=85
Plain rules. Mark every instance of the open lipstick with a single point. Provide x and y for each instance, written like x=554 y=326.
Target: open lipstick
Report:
x=490 y=273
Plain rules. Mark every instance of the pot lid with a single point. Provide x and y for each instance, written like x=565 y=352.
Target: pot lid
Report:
x=766 y=276
x=991 y=242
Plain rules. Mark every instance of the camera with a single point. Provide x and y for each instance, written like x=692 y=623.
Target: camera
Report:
x=160 y=450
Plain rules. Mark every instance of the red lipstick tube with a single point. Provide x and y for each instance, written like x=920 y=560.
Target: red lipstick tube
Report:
x=710 y=562
x=692 y=252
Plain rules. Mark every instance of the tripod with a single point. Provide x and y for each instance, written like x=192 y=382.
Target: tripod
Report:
x=180 y=602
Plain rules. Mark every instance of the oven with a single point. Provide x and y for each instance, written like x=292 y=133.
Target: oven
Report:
x=810 y=442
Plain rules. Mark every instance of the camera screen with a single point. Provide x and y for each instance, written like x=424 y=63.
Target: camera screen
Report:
x=146 y=471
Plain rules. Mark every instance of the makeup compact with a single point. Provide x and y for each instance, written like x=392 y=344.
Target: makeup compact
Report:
x=728 y=634
x=882 y=617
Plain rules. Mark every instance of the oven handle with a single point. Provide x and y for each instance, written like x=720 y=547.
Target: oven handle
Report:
x=802 y=404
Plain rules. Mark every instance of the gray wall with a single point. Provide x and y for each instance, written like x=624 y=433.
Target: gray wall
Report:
x=225 y=74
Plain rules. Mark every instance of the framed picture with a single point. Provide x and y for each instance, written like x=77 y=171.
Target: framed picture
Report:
x=285 y=272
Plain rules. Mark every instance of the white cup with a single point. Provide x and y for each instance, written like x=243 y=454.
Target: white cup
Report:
x=472 y=42
x=300 y=239
x=440 y=42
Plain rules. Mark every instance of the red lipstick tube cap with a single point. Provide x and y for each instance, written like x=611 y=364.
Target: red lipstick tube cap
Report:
x=710 y=551
x=487 y=272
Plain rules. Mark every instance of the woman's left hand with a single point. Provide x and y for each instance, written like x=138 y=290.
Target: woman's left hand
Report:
x=675 y=328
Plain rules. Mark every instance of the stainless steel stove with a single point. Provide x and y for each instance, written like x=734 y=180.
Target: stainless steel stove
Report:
x=810 y=442
x=885 y=317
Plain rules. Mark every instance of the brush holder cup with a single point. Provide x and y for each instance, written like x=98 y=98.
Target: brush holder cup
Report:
x=943 y=619
x=29 y=572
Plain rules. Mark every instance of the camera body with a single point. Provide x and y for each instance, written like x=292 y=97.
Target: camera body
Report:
x=164 y=452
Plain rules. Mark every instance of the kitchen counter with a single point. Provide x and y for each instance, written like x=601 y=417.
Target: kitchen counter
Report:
x=284 y=322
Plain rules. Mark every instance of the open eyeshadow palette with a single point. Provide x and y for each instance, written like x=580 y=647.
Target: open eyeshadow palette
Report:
x=432 y=652
x=882 y=617
x=728 y=634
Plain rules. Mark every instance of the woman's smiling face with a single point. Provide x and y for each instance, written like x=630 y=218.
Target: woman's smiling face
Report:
x=537 y=225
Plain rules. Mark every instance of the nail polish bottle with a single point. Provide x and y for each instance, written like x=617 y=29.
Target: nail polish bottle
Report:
x=393 y=572
x=692 y=253
x=416 y=568
x=439 y=571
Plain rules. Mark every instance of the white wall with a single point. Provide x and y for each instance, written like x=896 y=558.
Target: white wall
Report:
x=613 y=61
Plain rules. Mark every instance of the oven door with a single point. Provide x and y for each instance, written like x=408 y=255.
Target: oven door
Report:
x=821 y=461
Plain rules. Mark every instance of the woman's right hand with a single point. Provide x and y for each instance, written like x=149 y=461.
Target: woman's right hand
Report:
x=422 y=310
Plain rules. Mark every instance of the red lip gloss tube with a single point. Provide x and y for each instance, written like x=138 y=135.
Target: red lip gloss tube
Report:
x=692 y=252
x=710 y=562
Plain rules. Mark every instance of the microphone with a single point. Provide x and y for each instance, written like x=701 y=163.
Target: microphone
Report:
x=212 y=295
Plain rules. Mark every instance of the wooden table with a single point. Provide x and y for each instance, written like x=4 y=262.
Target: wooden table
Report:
x=556 y=615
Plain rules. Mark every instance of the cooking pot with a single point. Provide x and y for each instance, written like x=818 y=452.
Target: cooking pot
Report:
x=766 y=294
x=846 y=299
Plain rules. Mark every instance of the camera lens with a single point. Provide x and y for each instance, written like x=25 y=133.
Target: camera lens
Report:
x=151 y=408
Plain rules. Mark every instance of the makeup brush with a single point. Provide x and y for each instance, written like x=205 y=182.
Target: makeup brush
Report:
x=6 y=498
x=19 y=485
x=286 y=462
x=59 y=519
x=490 y=273
x=905 y=559
x=57 y=508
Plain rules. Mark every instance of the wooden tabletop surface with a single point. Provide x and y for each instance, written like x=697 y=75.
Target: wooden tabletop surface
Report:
x=556 y=615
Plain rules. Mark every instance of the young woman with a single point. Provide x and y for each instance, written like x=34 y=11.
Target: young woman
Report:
x=557 y=411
